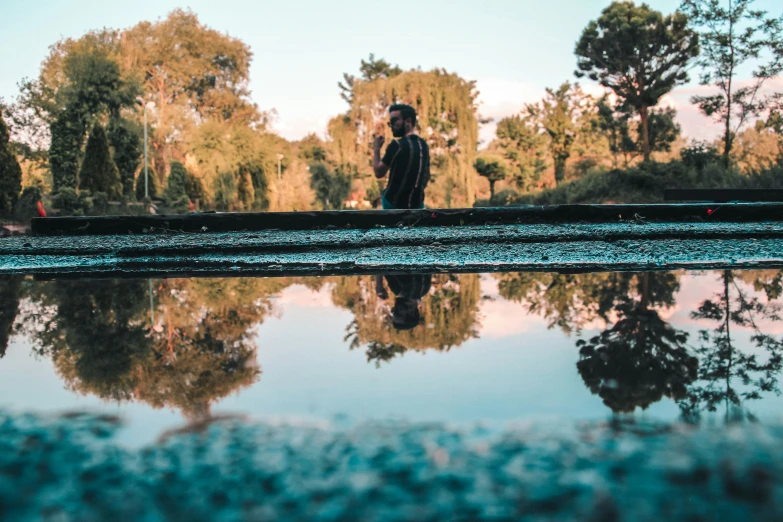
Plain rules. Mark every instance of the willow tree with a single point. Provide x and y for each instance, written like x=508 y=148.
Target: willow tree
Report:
x=447 y=112
x=639 y=54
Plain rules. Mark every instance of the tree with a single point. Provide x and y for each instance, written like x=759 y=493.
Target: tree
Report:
x=491 y=167
x=67 y=133
x=639 y=54
x=125 y=140
x=617 y=125
x=99 y=173
x=732 y=35
x=446 y=105
x=10 y=172
x=523 y=147
x=370 y=70
x=176 y=185
x=153 y=185
x=557 y=114
x=331 y=188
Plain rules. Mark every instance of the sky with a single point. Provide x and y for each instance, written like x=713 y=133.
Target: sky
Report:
x=513 y=49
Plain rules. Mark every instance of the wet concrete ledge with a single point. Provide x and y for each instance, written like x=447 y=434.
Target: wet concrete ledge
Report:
x=607 y=237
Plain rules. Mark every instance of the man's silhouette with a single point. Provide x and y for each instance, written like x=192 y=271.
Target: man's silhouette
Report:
x=407 y=160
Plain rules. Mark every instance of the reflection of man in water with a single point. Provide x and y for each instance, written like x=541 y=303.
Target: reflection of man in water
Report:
x=408 y=289
x=407 y=160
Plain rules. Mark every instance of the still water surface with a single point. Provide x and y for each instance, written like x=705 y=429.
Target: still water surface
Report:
x=463 y=349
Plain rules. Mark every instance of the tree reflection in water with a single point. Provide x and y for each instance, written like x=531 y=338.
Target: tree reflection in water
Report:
x=195 y=346
x=448 y=314
x=728 y=375
x=100 y=336
x=10 y=287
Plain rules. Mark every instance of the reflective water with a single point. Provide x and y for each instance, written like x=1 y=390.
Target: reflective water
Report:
x=463 y=348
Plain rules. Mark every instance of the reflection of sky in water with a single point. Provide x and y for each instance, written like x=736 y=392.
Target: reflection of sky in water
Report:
x=517 y=370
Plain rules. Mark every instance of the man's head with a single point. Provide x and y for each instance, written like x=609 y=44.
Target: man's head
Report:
x=402 y=119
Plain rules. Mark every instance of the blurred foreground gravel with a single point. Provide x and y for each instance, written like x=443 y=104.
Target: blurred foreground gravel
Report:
x=69 y=467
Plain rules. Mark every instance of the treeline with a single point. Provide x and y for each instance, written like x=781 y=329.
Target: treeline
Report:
x=76 y=131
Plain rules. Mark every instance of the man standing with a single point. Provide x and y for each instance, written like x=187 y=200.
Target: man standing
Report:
x=407 y=160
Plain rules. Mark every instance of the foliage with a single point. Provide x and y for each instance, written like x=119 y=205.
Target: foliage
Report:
x=732 y=35
x=176 y=185
x=524 y=149
x=331 y=188
x=100 y=202
x=10 y=173
x=646 y=183
x=446 y=107
x=152 y=181
x=639 y=54
x=71 y=203
x=370 y=70
x=67 y=132
x=25 y=208
x=558 y=114
x=127 y=147
x=98 y=172
x=491 y=167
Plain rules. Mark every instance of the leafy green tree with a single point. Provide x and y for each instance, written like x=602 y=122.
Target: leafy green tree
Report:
x=153 y=184
x=67 y=132
x=10 y=172
x=99 y=173
x=194 y=188
x=732 y=34
x=260 y=185
x=617 y=125
x=331 y=188
x=224 y=191
x=523 y=147
x=125 y=140
x=176 y=185
x=613 y=122
x=493 y=168
x=639 y=54
x=246 y=194
x=557 y=114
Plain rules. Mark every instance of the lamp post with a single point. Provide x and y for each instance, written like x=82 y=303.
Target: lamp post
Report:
x=140 y=100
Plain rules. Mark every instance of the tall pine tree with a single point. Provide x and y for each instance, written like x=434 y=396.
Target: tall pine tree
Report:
x=99 y=173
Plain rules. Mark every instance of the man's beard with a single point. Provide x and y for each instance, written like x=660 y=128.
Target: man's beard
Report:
x=398 y=133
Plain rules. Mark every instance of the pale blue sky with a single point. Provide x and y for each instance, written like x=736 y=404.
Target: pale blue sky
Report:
x=513 y=48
